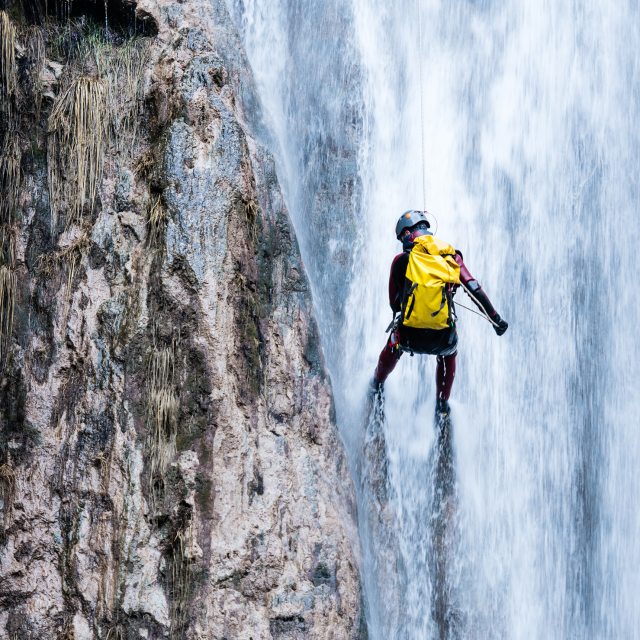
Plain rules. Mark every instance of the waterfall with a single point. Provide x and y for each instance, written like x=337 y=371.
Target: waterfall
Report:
x=532 y=154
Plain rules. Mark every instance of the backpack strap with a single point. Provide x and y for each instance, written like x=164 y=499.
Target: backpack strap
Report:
x=393 y=321
x=444 y=300
x=411 y=306
x=452 y=309
x=407 y=294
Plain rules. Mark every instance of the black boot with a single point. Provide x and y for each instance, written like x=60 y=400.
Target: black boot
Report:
x=375 y=386
x=374 y=405
x=374 y=393
x=442 y=407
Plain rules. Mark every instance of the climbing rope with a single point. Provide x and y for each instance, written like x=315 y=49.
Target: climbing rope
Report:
x=424 y=169
x=424 y=180
x=484 y=313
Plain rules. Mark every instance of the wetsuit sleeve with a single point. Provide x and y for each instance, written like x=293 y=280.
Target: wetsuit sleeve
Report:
x=472 y=284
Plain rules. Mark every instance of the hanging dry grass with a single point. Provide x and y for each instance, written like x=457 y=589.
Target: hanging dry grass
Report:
x=7 y=246
x=7 y=488
x=156 y=224
x=11 y=155
x=121 y=71
x=73 y=256
x=8 y=286
x=67 y=631
x=251 y=211
x=180 y=579
x=115 y=633
x=36 y=53
x=70 y=258
x=162 y=409
x=36 y=48
x=75 y=153
x=8 y=75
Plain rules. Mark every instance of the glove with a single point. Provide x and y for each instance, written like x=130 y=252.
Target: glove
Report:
x=503 y=325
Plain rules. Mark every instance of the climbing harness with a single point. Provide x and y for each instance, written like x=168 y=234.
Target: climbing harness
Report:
x=394 y=339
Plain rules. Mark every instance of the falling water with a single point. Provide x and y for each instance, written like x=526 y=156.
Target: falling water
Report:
x=532 y=172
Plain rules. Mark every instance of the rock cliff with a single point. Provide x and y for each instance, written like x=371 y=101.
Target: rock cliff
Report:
x=170 y=464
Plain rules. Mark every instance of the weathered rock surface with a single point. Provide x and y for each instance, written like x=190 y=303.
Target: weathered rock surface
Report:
x=171 y=464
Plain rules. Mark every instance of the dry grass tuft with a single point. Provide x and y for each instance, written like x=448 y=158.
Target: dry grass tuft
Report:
x=251 y=211
x=121 y=71
x=162 y=410
x=36 y=48
x=10 y=157
x=115 y=633
x=143 y=165
x=7 y=490
x=7 y=245
x=70 y=257
x=36 y=53
x=8 y=286
x=75 y=152
x=180 y=579
x=156 y=224
x=8 y=71
x=68 y=631
x=101 y=109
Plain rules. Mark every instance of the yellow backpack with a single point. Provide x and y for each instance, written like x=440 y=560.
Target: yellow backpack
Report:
x=431 y=273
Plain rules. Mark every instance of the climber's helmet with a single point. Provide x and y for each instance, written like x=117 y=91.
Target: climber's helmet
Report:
x=411 y=220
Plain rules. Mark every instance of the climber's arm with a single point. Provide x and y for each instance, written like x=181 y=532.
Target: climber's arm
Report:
x=479 y=297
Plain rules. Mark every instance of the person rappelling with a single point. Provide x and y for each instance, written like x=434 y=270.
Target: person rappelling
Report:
x=423 y=280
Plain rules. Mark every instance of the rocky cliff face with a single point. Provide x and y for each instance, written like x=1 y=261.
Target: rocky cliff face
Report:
x=170 y=462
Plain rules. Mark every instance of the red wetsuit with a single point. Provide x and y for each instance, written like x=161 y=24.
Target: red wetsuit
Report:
x=446 y=361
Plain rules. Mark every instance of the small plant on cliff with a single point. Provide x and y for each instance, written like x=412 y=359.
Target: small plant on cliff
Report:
x=144 y=164
x=156 y=224
x=252 y=211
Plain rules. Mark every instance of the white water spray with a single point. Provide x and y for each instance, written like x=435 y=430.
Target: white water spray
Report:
x=532 y=170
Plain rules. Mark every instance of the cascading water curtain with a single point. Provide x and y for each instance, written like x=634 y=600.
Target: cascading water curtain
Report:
x=532 y=172
x=307 y=69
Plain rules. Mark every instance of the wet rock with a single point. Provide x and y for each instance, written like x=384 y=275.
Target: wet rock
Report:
x=173 y=464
